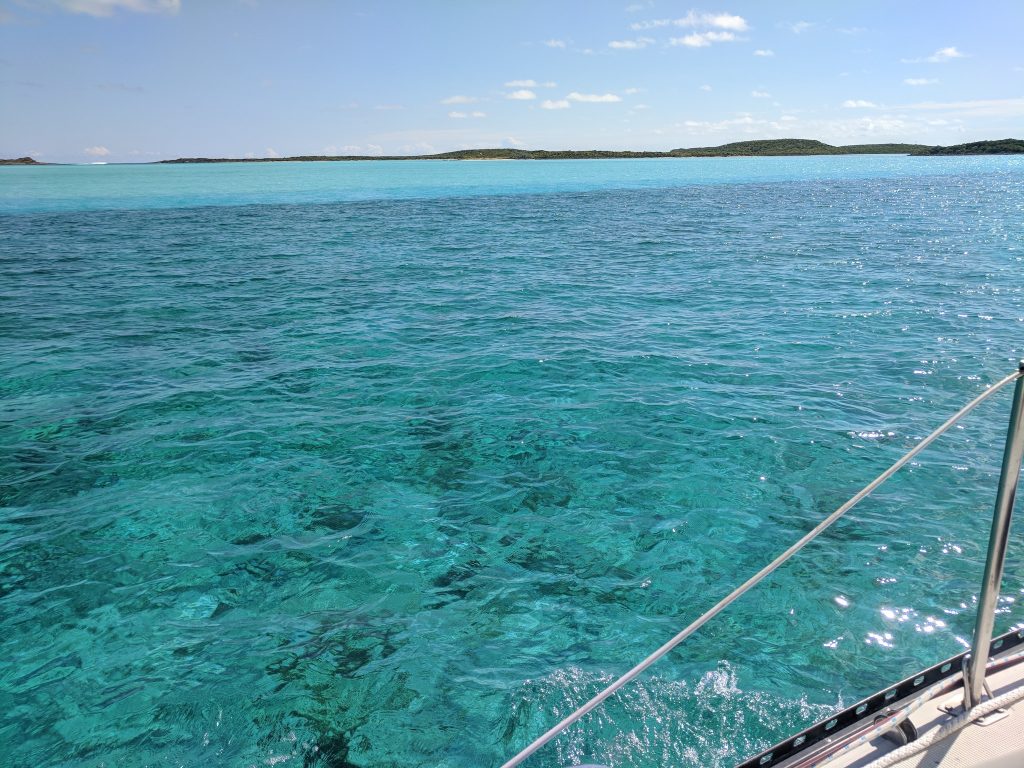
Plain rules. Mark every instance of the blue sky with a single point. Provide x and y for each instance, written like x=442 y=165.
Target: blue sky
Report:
x=139 y=80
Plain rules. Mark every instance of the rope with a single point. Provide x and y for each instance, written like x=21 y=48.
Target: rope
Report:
x=953 y=726
x=758 y=577
x=875 y=729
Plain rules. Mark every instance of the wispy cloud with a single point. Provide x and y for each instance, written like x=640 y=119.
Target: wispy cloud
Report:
x=693 y=19
x=464 y=115
x=97 y=151
x=109 y=7
x=858 y=104
x=554 y=104
x=945 y=54
x=940 y=56
x=530 y=84
x=706 y=88
x=767 y=52
x=522 y=95
x=355 y=149
x=920 y=81
x=458 y=100
x=799 y=27
x=703 y=39
x=977 y=107
x=760 y=94
x=555 y=43
x=594 y=98
x=631 y=45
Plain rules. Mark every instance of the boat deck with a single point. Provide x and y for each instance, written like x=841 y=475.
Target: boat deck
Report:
x=997 y=745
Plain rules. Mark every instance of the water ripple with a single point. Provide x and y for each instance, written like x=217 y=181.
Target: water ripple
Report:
x=398 y=482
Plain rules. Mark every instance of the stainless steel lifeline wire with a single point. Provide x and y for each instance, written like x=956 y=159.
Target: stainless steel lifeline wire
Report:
x=760 y=575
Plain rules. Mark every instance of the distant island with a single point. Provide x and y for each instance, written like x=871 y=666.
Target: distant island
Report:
x=1001 y=147
x=21 y=161
x=762 y=148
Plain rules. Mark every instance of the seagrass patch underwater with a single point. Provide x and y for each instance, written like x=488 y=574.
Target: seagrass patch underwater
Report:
x=400 y=478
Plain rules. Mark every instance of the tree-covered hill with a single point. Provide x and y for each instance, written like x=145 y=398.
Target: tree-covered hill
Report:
x=999 y=147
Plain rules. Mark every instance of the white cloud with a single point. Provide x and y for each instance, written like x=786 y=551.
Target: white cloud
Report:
x=594 y=98
x=530 y=84
x=799 y=27
x=631 y=91
x=478 y=114
x=458 y=100
x=270 y=152
x=945 y=54
x=109 y=7
x=703 y=39
x=97 y=151
x=764 y=52
x=355 y=149
x=723 y=21
x=558 y=104
x=919 y=81
x=521 y=95
x=652 y=24
x=464 y=115
x=694 y=19
x=760 y=94
x=745 y=120
x=705 y=87
x=631 y=45
x=555 y=43
x=858 y=104
x=512 y=141
x=940 y=56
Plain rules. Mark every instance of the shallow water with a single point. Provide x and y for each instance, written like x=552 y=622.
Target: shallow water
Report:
x=301 y=465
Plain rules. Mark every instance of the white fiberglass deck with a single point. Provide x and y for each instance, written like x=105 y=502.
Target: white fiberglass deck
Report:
x=998 y=745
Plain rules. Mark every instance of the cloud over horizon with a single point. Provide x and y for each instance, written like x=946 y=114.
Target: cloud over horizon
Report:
x=594 y=98
x=693 y=19
x=101 y=8
x=703 y=39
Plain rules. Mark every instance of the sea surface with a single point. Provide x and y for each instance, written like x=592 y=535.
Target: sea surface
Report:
x=393 y=464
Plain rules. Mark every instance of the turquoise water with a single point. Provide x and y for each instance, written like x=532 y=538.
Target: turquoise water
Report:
x=387 y=464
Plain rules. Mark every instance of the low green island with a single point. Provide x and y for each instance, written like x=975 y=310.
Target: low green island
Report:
x=20 y=161
x=761 y=148
x=1000 y=147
